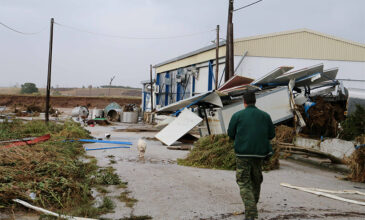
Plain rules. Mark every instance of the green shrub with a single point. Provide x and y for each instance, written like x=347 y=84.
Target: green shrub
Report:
x=354 y=125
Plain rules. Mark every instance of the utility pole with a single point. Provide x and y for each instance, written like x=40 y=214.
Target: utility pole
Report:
x=217 y=59
x=229 y=44
x=151 y=87
x=49 y=70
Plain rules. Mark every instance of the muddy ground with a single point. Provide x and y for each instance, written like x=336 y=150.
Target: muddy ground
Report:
x=165 y=190
x=64 y=101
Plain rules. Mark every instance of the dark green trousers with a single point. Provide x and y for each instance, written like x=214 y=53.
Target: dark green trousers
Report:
x=249 y=179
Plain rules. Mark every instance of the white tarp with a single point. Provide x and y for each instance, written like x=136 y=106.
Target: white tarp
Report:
x=186 y=121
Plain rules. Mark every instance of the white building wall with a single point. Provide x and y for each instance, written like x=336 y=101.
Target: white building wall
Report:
x=201 y=83
x=255 y=67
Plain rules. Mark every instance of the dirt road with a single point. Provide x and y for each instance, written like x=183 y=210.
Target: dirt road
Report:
x=165 y=190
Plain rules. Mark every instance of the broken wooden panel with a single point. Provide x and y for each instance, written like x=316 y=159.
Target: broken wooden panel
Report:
x=235 y=81
x=240 y=89
x=186 y=121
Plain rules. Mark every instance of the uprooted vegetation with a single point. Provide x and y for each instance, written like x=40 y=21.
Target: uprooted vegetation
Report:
x=356 y=161
x=51 y=174
x=284 y=134
x=216 y=151
x=323 y=118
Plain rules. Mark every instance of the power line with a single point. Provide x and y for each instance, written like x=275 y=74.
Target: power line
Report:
x=20 y=32
x=247 y=5
x=131 y=37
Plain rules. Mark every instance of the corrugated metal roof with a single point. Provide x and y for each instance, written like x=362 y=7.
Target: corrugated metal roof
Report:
x=301 y=43
x=300 y=31
x=201 y=50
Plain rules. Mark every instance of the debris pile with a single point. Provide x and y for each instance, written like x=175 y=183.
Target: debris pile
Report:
x=356 y=161
x=310 y=99
x=284 y=134
x=214 y=151
x=217 y=152
x=33 y=110
x=323 y=118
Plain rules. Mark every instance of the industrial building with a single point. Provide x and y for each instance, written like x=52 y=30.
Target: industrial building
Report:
x=193 y=73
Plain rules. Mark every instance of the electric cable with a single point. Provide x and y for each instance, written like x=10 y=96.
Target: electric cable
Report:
x=131 y=37
x=21 y=32
x=247 y=5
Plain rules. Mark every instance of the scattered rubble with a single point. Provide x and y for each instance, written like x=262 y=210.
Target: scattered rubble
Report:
x=284 y=134
x=356 y=161
x=113 y=111
x=323 y=118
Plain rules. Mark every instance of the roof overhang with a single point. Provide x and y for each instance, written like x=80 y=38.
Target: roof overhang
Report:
x=210 y=97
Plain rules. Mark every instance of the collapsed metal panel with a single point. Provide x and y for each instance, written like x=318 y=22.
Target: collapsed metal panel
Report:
x=355 y=97
x=186 y=121
x=272 y=75
x=208 y=97
x=275 y=102
x=327 y=75
x=299 y=74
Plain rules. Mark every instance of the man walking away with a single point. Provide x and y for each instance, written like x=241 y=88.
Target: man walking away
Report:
x=251 y=129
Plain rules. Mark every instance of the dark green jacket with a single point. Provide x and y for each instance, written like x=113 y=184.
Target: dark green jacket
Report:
x=251 y=129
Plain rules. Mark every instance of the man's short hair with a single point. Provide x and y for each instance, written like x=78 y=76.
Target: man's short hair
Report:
x=249 y=98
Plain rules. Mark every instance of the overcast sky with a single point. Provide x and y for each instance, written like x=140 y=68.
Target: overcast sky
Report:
x=81 y=58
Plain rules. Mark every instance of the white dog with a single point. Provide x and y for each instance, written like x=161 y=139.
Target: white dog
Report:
x=141 y=146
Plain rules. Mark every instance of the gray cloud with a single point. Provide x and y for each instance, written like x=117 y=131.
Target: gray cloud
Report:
x=85 y=59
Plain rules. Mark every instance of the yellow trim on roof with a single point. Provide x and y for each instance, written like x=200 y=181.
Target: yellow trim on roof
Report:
x=301 y=44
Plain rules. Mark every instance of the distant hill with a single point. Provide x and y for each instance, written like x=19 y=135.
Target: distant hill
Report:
x=87 y=92
x=120 y=87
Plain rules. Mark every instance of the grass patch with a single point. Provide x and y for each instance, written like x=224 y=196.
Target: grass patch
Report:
x=88 y=209
x=106 y=176
x=112 y=161
x=129 y=201
x=101 y=189
x=52 y=170
x=217 y=152
x=123 y=185
x=17 y=129
x=107 y=205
